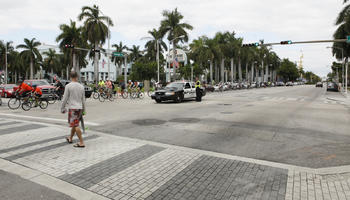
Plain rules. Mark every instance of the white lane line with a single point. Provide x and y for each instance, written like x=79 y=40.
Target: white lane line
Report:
x=45 y=118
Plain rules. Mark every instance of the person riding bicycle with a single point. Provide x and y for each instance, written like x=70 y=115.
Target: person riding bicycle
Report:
x=101 y=84
x=24 y=89
x=37 y=94
x=59 y=88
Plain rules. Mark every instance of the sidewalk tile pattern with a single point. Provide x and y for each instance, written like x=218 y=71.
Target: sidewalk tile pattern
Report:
x=20 y=128
x=100 y=171
x=218 y=178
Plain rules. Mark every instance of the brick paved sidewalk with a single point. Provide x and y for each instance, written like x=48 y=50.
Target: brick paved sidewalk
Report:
x=123 y=168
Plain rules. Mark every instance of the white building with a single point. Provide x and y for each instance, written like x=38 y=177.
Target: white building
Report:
x=87 y=73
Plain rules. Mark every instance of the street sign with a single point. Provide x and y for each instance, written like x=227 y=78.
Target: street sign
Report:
x=348 y=39
x=118 y=54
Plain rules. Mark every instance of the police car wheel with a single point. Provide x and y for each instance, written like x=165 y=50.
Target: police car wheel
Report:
x=158 y=101
x=178 y=99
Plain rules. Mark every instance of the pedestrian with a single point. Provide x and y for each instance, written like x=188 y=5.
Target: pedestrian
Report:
x=74 y=100
x=198 y=91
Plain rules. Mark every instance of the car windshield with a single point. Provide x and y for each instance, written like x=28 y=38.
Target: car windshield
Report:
x=175 y=85
x=39 y=82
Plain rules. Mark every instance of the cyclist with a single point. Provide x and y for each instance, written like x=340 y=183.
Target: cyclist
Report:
x=37 y=94
x=24 y=89
x=59 y=88
x=101 y=84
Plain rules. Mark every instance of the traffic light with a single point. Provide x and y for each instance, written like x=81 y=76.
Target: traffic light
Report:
x=71 y=46
x=287 y=42
x=251 y=45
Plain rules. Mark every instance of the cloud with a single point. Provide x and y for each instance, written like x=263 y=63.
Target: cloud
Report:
x=272 y=20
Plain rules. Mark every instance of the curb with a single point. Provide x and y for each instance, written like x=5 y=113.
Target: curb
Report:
x=49 y=181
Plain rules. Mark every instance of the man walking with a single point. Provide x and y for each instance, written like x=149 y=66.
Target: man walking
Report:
x=74 y=99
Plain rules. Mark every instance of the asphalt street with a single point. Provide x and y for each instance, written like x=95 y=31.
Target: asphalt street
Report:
x=300 y=125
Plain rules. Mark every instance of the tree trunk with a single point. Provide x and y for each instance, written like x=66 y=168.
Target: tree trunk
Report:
x=211 y=71
x=15 y=76
x=77 y=69
x=216 y=71
x=96 y=65
x=61 y=73
x=256 y=73
x=232 y=70
x=267 y=73
x=252 y=72
x=235 y=72
x=31 y=68
x=74 y=62
x=67 y=72
x=246 y=72
x=222 y=70
x=239 y=70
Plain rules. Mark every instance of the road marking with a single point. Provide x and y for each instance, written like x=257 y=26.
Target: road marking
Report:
x=45 y=118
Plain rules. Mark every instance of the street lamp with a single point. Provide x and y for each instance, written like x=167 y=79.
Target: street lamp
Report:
x=346 y=74
x=157 y=57
x=172 y=41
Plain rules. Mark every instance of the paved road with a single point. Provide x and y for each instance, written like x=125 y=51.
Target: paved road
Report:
x=299 y=125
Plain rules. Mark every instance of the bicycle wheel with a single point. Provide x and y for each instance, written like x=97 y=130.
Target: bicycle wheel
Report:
x=96 y=95
x=43 y=104
x=149 y=93
x=26 y=106
x=110 y=97
x=102 y=97
x=0 y=102
x=52 y=99
x=141 y=95
x=125 y=95
x=133 y=95
x=14 y=103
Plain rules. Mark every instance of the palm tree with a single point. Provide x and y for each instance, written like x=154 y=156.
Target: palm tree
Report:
x=176 y=30
x=95 y=29
x=50 y=61
x=30 y=53
x=70 y=35
x=213 y=53
x=119 y=60
x=151 y=44
x=135 y=53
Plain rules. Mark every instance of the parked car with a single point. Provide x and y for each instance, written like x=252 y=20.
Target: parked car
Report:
x=45 y=87
x=280 y=83
x=319 y=84
x=332 y=86
x=176 y=91
x=289 y=83
x=7 y=90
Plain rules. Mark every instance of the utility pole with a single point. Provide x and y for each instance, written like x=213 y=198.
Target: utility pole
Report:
x=158 y=58
x=126 y=69
x=6 y=63
x=108 y=55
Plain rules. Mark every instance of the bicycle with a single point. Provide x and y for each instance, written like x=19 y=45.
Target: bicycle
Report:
x=106 y=94
x=37 y=101
x=136 y=93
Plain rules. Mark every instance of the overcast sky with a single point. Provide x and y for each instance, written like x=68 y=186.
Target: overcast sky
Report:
x=271 y=20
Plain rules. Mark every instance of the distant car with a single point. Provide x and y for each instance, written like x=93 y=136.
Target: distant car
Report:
x=289 y=83
x=280 y=83
x=7 y=90
x=176 y=91
x=319 y=84
x=332 y=86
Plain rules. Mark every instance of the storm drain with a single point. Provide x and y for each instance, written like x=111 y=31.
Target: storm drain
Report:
x=185 y=120
x=148 y=122
x=227 y=113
